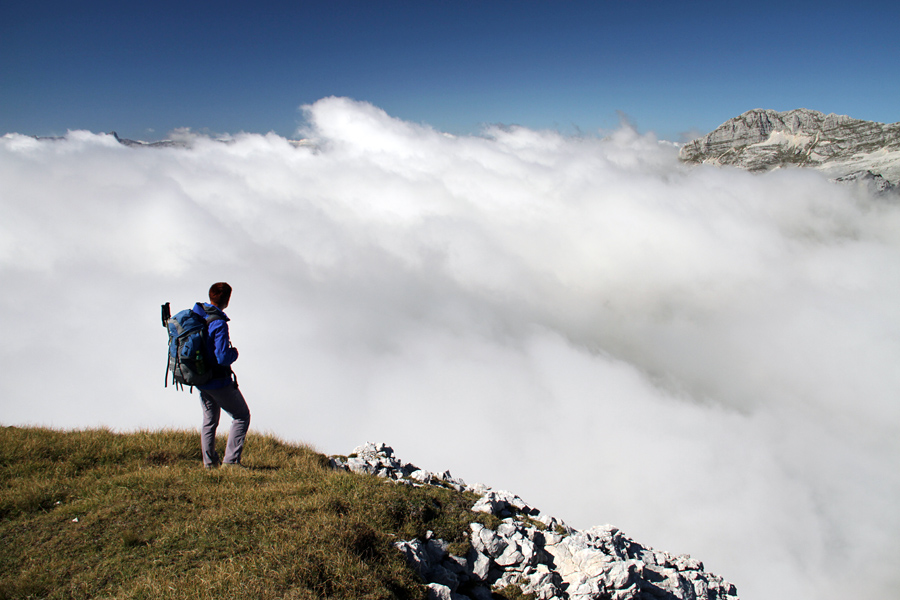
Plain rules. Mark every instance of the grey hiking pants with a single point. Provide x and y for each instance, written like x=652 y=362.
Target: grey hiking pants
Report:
x=231 y=400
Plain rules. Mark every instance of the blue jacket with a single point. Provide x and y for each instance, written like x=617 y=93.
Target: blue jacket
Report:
x=219 y=345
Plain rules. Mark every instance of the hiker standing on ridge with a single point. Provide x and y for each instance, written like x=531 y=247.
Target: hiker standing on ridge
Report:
x=221 y=392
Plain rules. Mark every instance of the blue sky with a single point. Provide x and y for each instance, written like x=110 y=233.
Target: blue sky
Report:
x=144 y=69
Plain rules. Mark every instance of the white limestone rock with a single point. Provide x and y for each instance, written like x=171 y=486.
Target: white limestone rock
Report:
x=487 y=541
x=503 y=504
x=536 y=552
x=602 y=555
x=481 y=564
x=422 y=476
x=837 y=145
x=437 y=591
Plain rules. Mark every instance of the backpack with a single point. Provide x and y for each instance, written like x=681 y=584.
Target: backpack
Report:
x=190 y=359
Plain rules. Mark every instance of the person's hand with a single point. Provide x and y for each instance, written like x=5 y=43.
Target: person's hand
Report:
x=236 y=353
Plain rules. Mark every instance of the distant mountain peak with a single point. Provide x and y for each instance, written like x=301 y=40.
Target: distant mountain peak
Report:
x=841 y=146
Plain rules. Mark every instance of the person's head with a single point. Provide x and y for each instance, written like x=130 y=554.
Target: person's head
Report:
x=220 y=294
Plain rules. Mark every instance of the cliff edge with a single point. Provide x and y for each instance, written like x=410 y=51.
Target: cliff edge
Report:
x=536 y=554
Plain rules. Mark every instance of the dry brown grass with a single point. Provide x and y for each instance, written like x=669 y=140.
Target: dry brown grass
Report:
x=95 y=514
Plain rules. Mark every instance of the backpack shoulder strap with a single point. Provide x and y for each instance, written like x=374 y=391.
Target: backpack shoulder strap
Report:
x=212 y=313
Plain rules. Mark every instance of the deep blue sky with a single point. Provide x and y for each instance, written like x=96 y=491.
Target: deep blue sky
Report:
x=145 y=68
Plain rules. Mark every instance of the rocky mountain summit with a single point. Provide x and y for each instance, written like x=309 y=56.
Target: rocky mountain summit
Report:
x=846 y=149
x=536 y=553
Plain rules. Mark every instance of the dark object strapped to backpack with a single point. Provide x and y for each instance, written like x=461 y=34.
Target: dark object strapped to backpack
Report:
x=190 y=359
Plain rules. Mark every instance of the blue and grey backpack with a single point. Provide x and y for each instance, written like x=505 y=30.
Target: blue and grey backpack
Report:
x=190 y=360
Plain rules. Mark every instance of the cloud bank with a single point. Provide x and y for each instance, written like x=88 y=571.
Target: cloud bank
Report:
x=703 y=357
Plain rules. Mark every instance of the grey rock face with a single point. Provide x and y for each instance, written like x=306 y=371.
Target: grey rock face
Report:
x=870 y=181
x=537 y=553
x=838 y=145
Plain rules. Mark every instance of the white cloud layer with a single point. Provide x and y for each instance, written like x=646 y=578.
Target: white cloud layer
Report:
x=703 y=357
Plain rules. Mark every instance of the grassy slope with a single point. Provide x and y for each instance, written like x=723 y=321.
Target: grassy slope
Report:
x=151 y=523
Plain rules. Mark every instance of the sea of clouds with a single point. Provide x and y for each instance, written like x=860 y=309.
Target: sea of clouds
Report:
x=704 y=357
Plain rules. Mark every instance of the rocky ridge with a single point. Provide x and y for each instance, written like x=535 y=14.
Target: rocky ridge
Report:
x=182 y=140
x=846 y=149
x=537 y=553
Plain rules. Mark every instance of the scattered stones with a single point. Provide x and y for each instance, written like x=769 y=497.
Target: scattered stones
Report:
x=537 y=553
x=379 y=460
x=503 y=504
